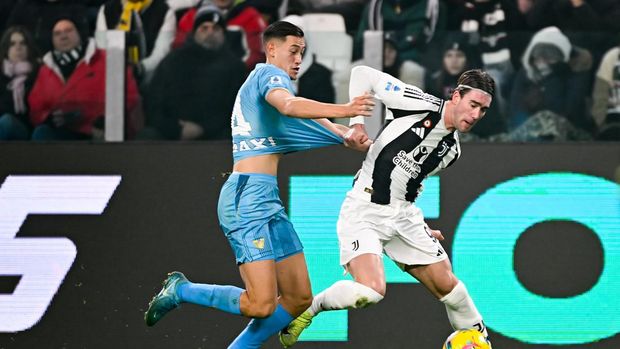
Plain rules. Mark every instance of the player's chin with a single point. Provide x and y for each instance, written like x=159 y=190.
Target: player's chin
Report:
x=293 y=74
x=466 y=127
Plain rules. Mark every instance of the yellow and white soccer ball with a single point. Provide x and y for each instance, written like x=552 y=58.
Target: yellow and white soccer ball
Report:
x=467 y=339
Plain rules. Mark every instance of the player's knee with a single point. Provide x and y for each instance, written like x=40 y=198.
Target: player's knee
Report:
x=261 y=309
x=377 y=286
x=445 y=285
x=299 y=302
x=305 y=301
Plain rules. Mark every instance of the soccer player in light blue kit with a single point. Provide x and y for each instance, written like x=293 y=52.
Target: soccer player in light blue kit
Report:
x=267 y=121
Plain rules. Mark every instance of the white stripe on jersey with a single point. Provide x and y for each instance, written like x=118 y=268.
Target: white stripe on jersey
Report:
x=413 y=144
x=400 y=158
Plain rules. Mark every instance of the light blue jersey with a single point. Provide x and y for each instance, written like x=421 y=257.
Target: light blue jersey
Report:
x=258 y=128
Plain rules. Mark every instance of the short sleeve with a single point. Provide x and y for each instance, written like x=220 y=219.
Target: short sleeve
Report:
x=274 y=78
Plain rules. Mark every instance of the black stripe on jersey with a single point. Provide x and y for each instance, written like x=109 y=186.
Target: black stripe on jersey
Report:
x=429 y=164
x=384 y=164
x=424 y=97
x=399 y=113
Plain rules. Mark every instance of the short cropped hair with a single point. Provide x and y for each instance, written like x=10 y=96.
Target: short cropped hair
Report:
x=475 y=78
x=280 y=30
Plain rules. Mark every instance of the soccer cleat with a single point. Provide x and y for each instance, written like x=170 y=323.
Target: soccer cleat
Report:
x=290 y=335
x=166 y=299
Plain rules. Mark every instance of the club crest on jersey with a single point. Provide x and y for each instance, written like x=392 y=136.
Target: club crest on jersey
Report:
x=392 y=87
x=444 y=147
x=259 y=243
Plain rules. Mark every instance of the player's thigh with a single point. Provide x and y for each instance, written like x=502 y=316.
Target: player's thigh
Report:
x=437 y=277
x=261 y=287
x=360 y=230
x=367 y=269
x=294 y=283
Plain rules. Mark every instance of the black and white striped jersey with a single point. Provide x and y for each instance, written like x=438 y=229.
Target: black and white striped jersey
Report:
x=413 y=144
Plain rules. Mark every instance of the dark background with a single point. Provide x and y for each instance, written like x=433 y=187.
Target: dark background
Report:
x=162 y=217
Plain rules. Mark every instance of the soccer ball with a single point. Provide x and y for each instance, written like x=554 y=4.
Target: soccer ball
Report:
x=467 y=339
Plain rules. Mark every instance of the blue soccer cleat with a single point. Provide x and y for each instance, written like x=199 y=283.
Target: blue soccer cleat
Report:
x=166 y=299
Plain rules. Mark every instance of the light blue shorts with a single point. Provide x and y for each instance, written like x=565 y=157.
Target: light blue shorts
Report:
x=253 y=219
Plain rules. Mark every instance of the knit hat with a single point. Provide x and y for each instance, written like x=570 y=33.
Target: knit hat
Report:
x=80 y=23
x=209 y=13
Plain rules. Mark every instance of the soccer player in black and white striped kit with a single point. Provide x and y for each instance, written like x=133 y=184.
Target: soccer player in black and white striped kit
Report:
x=419 y=139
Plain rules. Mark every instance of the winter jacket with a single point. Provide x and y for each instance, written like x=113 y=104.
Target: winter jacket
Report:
x=241 y=15
x=82 y=95
x=194 y=84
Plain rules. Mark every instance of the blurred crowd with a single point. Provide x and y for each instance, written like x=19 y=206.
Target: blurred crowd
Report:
x=556 y=62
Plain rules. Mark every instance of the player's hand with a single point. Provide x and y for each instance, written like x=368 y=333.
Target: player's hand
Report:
x=435 y=233
x=362 y=105
x=357 y=133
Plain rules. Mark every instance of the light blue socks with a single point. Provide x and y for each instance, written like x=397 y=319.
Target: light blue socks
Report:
x=259 y=330
x=225 y=298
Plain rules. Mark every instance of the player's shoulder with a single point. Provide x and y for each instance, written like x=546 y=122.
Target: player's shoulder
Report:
x=268 y=70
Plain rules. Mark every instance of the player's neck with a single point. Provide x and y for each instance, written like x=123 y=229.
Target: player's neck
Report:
x=448 y=115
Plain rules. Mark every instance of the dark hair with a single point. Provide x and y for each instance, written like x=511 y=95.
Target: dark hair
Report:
x=476 y=78
x=280 y=30
x=5 y=44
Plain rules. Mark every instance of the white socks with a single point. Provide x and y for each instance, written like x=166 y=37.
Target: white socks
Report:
x=462 y=312
x=344 y=294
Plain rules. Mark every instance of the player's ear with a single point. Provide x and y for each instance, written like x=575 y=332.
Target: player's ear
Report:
x=456 y=96
x=270 y=48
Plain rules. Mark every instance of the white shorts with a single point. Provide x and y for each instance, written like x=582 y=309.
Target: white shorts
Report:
x=398 y=229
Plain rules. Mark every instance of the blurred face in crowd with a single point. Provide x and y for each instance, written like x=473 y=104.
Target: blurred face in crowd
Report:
x=468 y=109
x=389 y=54
x=18 y=51
x=65 y=36
x=524 y=5
x=454 y=61
x=286 y=54
x=223 y=4
x=209 y=35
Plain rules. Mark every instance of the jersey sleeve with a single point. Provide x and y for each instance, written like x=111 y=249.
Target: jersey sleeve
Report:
x=273 y=78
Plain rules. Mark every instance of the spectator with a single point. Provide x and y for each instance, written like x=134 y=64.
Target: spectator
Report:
x=350 y=10
x=239 y=14
x=194 y=88
x=606 y=96
x=67 y=101
x=19 y=68
x=269 y=9
x=151 y=26
x=555 y=76
x=39 y=16
x=393 y=64
x=488 y=23
x=591 y=24
x=412 y=24
x=458 y=57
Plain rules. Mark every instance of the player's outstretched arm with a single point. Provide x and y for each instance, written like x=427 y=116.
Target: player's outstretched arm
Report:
x=300 y=107
x=354 y=137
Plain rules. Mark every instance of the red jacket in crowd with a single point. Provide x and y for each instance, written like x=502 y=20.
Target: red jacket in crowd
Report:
x=84 y=92
x=245 y=17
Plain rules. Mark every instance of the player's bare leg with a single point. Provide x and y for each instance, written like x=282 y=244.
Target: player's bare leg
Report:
x=439 y=279
x=288 y=276
x=367 y=289
x=261 y=291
